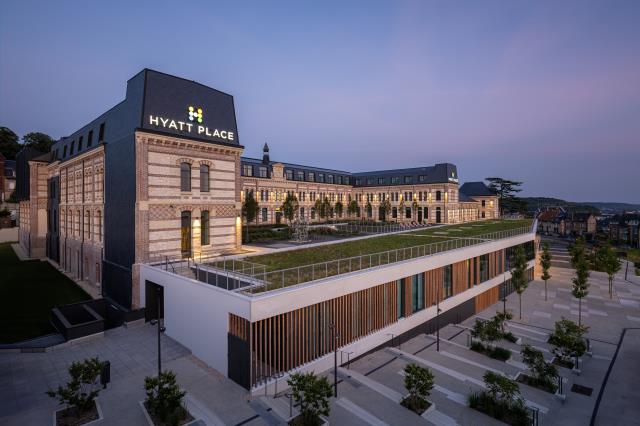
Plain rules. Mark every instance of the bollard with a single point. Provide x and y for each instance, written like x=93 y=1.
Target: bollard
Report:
x=105 y=374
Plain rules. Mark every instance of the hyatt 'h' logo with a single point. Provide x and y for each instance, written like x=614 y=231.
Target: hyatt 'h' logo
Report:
x=195 y=114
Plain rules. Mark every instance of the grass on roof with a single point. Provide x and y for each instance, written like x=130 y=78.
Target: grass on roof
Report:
x=307 y=256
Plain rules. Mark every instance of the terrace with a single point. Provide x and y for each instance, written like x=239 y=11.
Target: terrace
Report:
x=261 y=273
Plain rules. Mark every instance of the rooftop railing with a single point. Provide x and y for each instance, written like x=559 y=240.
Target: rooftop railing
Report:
x=254 y=278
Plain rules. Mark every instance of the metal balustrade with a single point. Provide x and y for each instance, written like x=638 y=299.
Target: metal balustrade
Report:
x=253 y=278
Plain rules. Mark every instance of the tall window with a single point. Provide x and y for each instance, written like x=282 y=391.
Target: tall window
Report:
x=438 y=195
x=417 y=292
x=264 y=214
x=204 y=178
x=90 y=138
x=448 y=281
x=247 y=170
x=99 y=224
x=288 y=174
x=87 y=225
x=400 y=298
x=484 y=268
x=185 y=231
x=263 y=172
x=185 y=177
x=204 y=227
x=80 y=143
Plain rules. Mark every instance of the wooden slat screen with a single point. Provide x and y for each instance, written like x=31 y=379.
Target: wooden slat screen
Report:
x=487 y=298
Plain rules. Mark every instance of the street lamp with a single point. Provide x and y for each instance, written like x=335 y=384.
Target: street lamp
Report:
x=336 y=336
x=161 y=328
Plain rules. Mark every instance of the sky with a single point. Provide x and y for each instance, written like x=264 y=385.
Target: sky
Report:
x=545 y=92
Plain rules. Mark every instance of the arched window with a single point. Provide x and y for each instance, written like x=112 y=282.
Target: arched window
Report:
x=204 y=178
x=185 y=177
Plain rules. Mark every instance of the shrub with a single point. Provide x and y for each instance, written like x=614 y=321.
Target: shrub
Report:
x=496 y=352
x=83 y=387
x=567 y=340
x=418 y=381
x=511 y=413
x=509 y=336
x=543 y=372
x=311 y=394
x=5 y=213
x=164 y=398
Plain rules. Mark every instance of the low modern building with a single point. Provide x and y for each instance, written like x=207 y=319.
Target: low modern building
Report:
x=131 y=203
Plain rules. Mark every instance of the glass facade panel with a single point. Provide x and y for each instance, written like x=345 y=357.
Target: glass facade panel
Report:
x=447 y=281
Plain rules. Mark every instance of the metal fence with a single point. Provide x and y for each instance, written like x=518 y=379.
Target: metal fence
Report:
x=254 y=278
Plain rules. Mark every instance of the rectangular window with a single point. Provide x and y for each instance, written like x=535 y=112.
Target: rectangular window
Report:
x=299 y=175
x=484 y=268
x=80 y=143
x=448 y=281
x=90 y=138
x=408 y=179
x=185 y=177
x=185 y=231
x=400 y=298
x=264 y=214
x=369 y=181
x=204 y=228
x=380 y=181
x=311 y=177
x=358 y=182
x=263 y=172
x=483 y=203
x=247 y=170
x=438 y=195
x=101 y=133
x=329 y=178
x=288 y=174
x=417 y=293
x=204 y=178
x=339 y=180
x=395 y=180
x=422 y=178
x=321 y=177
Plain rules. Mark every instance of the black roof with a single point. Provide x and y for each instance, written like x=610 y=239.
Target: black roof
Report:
x=439 y=173
x=465 y=199
x=478 y=189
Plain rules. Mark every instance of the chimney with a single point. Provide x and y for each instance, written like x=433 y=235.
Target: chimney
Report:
x=265 y=155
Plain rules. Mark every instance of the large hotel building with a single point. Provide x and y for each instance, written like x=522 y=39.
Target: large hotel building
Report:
x=140 y=201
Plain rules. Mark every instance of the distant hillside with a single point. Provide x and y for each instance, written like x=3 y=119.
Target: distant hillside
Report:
x=613 y=207
x=533 y=203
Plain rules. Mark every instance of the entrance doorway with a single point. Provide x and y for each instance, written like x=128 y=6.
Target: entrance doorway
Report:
x=419 y=214
x=438 y=215
x=381 y=214
x=278 y=217
x=154 y=294
x=185 y=231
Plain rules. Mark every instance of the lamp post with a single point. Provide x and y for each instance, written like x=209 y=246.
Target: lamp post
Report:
x=336 y=335
x=161 y=328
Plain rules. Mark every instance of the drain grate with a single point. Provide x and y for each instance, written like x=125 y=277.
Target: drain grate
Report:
x=583 y=390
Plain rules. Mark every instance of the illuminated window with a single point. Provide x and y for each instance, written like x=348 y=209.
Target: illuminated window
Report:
x=288 y=174
x=408 y=179
x=329 y=178
x=311 y=177
x=395 y=180
x=204 y=227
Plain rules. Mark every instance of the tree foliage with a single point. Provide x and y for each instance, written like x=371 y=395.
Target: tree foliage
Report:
x=339 y=208
x=9 y=145
x=353 y=207
x=544 y=372
x=39 y=141
x=610 y=264
x=567 y=339
x=501 y=388
x=506 y=189
x=386 y=208
x=518 y=274
x=290 y=206
x=418 y=381
x=249 y=210
x=487 y=331
x=580 y=283
x=83 y=387
x=311 y=394
x=164 y=398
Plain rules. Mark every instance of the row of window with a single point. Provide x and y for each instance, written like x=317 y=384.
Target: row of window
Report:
x=72 y=146
x=72 y=224
x=185 y=177
x=393 y=180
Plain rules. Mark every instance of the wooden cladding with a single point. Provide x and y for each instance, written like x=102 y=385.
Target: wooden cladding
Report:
x=286 y=341
x=487 y=298
x=283 y=342
x=239 y=327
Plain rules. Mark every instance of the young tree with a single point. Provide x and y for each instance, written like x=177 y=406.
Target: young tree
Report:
x=325 y=208
x=577 y=251
x=502 y=388
x=487 y=331
x=567 y=340
x=418 y=381
x=543 y=372
x=545 y=262
x=83 y=387
x=518 y=274
x=339 y=207
x=312 y=395
x=386 y=208
x=352 y=208
x=249 y=210
x=611 y=265
x=317 y=206
x=505 y=190
x=580 y=287
x=290 y=206
x=414 y=209
x=164 y=398
x=501 y=318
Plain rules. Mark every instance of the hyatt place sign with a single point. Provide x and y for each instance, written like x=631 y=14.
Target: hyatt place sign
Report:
x=193 y=125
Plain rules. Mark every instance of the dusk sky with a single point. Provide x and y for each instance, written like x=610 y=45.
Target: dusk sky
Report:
x=543 y=92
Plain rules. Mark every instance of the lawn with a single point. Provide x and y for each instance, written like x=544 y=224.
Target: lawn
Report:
x=293 y=258
x=28 y=292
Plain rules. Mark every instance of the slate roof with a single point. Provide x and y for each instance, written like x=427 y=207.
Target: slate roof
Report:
x=478 y=189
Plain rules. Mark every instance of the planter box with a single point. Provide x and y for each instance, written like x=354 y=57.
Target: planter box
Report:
x=325 y=422
x=98 y=409
x=151 y=423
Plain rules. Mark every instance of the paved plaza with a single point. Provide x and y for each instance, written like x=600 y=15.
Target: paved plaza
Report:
x=371 y=387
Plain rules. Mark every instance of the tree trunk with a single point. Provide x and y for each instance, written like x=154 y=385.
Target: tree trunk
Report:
x=579 y=311
x=520 y=299
x=610 y=288
x=545 y=290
